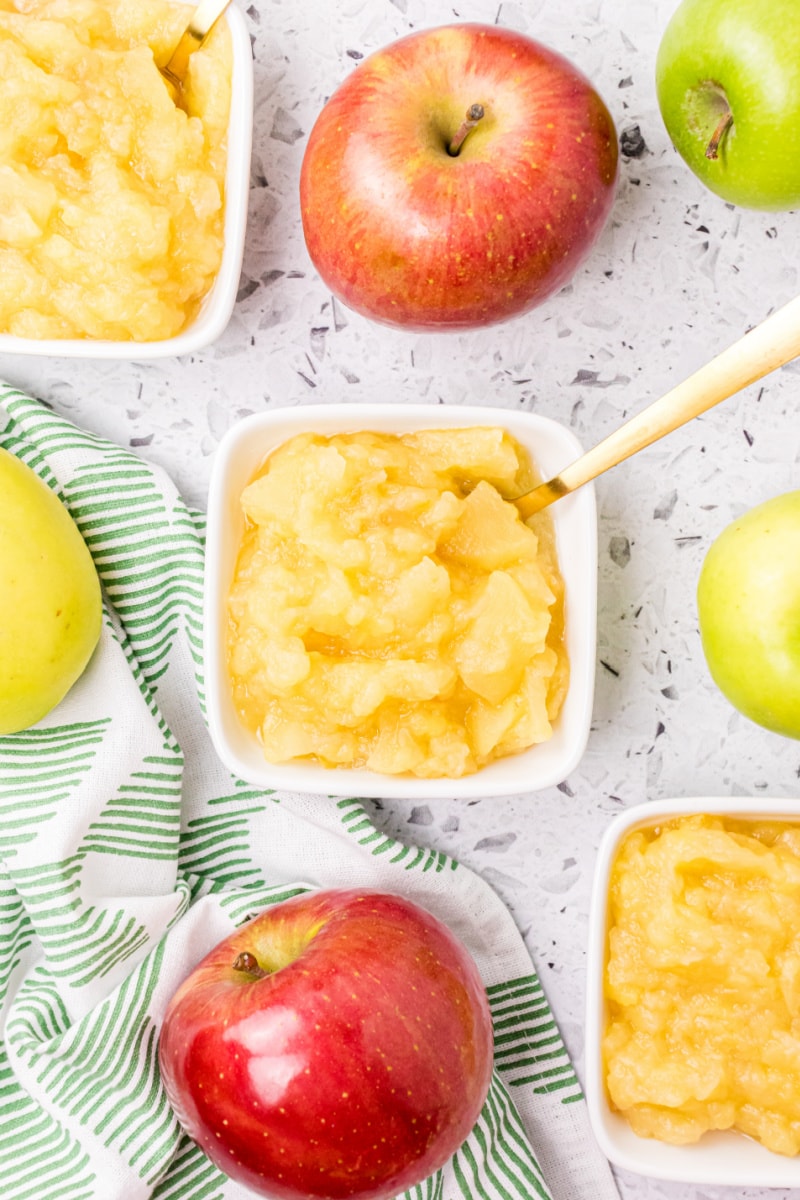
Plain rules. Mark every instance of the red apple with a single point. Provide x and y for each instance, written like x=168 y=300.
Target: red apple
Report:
x=411 y=231
x=337 y=1045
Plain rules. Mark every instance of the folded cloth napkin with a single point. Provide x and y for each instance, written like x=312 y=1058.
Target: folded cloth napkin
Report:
x=127 y=851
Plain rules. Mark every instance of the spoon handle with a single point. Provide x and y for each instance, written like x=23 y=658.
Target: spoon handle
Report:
x=770 y=345
x=200 y=24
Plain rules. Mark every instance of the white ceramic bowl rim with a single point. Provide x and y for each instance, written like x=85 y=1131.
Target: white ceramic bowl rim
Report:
x=724 y=1159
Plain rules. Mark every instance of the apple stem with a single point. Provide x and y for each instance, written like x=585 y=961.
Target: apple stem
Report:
x=474 y=114
x=712 y=149
x=247 y=962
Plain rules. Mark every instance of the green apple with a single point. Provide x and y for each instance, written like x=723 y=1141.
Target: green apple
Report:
x=728 y=84
x=748 y=603
x=50 y=603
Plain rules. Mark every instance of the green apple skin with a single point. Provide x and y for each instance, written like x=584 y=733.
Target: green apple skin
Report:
x=748 y=602
x=50 y=600
x=743 y=55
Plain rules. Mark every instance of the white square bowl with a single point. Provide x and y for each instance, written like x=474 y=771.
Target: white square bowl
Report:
x=241 y=453
x=722 y=1159
x=217 y=305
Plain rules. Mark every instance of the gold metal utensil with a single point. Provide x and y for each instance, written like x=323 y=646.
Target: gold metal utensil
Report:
x=770 y=345
x=201 y=22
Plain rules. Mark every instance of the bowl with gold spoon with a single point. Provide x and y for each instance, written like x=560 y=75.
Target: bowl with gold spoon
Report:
x=333 y=488
x=138 y=253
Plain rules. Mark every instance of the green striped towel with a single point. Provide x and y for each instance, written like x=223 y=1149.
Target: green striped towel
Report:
x=127 y=851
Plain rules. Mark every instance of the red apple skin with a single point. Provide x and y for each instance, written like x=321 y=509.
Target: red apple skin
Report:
x=410 y=235
x=354 y=1067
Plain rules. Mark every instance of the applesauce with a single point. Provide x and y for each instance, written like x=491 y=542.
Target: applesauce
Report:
x=703 y=980
x=111 y=197
x=390 y=610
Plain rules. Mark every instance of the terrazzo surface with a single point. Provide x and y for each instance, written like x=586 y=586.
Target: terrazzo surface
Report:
x=676 y=276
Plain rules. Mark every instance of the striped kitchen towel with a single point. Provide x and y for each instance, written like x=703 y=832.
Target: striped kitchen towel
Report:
x=127 y=851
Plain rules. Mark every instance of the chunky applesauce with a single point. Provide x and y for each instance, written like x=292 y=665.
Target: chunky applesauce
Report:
x=390 y=610
x=703 y=980
x=111 y=197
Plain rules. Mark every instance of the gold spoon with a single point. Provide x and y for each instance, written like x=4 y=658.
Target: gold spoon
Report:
x=201 y=22
x=770 y=345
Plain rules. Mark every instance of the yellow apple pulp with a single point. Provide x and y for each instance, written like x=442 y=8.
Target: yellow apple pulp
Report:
x=112 y=200
x=702 y=980
x=387 y=613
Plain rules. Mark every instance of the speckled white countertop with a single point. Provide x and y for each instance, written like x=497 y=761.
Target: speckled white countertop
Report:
x=676 y=276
